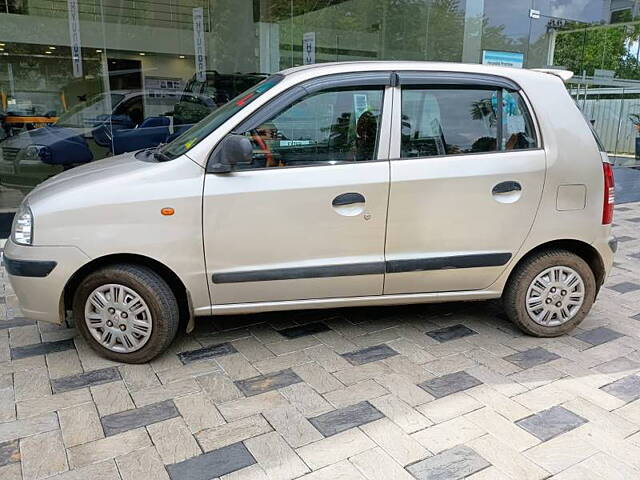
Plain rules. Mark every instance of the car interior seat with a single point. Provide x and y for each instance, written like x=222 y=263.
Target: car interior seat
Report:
x=151 y=132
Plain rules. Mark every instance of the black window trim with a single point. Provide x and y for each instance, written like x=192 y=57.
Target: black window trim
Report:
x=277 y=104
x=464 y=80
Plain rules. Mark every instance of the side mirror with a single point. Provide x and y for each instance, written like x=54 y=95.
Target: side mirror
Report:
x=231 y=151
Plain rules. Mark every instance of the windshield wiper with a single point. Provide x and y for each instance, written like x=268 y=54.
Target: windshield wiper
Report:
x=161 y=156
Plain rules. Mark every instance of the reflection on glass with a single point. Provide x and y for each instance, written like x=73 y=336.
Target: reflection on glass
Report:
x=447 y=122
x=324 y=128
x=438 y=121
x=606 y=86
x=138 y=83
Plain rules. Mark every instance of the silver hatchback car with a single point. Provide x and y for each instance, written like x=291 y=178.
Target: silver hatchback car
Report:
x=332 y=185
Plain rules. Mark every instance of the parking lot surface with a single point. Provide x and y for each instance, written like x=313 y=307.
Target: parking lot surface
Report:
x=430 y=392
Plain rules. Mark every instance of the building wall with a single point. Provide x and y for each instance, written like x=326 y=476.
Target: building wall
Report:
x=148 y=48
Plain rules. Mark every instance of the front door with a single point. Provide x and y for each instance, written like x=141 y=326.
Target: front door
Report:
x=307 y=218
x=466 y=181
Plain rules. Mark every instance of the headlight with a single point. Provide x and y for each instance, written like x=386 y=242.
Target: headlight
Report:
x=22 y=229
x=35 y=153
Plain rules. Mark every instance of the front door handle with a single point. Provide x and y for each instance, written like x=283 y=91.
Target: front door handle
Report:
x=349 y=204
x=506 y=187
x=348 y=199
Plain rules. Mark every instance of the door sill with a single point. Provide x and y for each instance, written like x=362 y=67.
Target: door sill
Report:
x=319 y=303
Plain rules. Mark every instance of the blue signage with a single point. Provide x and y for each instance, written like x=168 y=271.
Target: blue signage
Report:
x=503 y=59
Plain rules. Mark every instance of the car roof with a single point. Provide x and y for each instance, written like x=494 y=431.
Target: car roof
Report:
x=515 y=74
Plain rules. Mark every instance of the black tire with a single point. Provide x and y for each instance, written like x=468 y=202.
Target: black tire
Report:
x=514 y=296
x=156 y=293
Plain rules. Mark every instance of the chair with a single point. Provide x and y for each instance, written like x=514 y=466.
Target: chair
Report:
x=151 y=132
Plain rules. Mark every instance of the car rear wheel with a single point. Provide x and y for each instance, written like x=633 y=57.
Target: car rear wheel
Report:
x=550 y=293
x=127 y=313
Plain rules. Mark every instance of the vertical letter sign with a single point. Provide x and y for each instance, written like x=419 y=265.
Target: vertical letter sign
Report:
x=74 y=37
x=309 y=48
x=198 y=44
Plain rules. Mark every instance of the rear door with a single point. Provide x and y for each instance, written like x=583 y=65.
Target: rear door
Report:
x=466 y=181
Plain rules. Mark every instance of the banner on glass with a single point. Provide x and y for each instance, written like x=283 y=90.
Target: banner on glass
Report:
x=198 y=44
x=309 y=48
x=74 y=37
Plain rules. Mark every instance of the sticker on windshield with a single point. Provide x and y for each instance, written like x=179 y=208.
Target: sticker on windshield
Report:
x=295 y=143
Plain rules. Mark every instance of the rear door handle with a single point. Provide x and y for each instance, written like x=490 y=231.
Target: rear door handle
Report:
x=506 y=187
x=348 y=199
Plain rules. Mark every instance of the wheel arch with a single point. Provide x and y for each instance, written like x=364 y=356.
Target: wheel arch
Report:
x=582 y=249
x=175 y=283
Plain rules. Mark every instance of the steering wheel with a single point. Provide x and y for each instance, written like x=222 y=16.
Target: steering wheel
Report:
x=265 y=148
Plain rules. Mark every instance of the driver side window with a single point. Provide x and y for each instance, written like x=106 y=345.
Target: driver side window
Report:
x=327 y=127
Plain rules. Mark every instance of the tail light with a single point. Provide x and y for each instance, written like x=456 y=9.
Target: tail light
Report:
x=609 y=194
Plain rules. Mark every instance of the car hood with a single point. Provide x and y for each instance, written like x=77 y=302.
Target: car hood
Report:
x=48 y=136
x=86 y=177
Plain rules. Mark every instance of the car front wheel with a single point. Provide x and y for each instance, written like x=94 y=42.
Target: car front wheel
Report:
x=550 y=293
x=127 y=313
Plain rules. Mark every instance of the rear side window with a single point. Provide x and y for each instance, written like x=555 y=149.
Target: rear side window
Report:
x=455 y=121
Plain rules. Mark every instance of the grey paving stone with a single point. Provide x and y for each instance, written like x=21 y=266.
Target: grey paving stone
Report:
x=370 y=354
x=28 y=426
x=599 y=335
x=448 y=384
x=345 y=418
x=276 y=457
x=41 y=349
x=95 y=377
x=625 y=287
x=213 y=464
x=80 y=424
x=268 y=382
x=9 y=452
x=108 y=448
x=304 y=330
x=15 y=322
x=138 y=417
x=451 y=333
x=550 y=423
x=532 y=357
x=206 y=352
x=617 y=365
x=293 y=427
x=43 y=456
x=229 y=433
x=141 y=464
x=627 y=388
x=453 y=464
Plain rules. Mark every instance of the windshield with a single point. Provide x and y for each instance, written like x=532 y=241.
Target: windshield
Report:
x=208 y=124
x=85 y=113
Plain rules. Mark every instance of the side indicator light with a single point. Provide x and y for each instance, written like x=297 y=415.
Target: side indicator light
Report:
x=167 y=211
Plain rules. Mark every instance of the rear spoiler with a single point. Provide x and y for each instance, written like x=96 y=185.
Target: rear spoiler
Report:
x=563 y=74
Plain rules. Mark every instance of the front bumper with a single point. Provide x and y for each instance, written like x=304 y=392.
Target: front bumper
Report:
x=38 y=275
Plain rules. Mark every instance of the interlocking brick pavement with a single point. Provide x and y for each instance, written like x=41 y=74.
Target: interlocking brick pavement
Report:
x=430 y=391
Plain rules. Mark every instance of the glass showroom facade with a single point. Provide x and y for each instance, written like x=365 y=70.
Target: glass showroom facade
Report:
x=81 y=80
